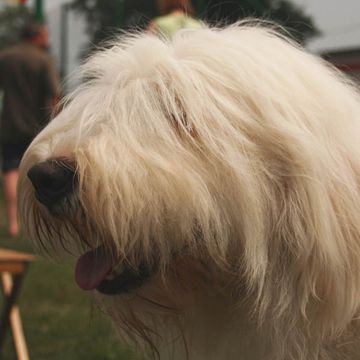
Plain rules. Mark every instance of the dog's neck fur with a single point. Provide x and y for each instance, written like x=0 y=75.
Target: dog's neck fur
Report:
x=213 y=335
x=203 y=331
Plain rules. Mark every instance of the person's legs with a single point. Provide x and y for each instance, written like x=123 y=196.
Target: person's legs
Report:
x=10 y=179
x=11 y=156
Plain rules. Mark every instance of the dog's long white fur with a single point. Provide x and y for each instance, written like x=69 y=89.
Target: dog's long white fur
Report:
x=237 y=148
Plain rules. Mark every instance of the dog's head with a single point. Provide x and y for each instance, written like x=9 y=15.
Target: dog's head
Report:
x=228 y=156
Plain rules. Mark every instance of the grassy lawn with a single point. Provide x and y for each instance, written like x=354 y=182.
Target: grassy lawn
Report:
x=59 y=320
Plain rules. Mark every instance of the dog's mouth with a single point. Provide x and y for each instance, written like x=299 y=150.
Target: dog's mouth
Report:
x=94 y=271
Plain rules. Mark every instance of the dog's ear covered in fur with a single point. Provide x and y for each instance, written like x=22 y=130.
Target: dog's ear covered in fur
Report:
x=233 y=145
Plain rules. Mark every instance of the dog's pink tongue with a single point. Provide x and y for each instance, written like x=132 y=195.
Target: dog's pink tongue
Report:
x=91 y=270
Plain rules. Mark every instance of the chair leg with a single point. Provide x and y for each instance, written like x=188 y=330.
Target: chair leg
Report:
x=11 y=315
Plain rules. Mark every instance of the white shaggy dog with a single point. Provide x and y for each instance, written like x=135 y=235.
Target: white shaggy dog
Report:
x=210 y=188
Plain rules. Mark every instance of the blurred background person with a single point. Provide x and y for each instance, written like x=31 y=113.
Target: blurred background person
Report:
x=175 y=15
x=30 y=88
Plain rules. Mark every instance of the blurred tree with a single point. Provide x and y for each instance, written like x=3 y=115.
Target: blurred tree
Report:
x=12 y=19
x=284 y=12
x=105 y=17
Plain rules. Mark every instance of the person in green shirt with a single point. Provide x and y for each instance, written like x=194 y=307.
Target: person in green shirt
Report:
x=176 y=15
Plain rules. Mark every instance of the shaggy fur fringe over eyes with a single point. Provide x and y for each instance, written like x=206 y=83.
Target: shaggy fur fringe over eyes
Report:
x=235 y=146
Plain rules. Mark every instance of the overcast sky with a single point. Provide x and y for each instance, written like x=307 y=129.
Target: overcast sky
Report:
x=338 y=20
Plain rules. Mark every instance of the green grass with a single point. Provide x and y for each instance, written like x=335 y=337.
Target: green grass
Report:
x=59 y=320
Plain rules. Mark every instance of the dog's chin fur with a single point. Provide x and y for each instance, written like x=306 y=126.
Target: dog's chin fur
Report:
x=230 y=158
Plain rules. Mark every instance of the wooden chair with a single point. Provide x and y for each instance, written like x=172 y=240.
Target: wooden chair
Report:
x=13 y=266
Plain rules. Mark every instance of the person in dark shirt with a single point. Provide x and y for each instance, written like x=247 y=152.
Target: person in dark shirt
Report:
x=30 y=90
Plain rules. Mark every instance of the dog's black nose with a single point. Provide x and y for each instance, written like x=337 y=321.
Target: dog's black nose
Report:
x=52 y=180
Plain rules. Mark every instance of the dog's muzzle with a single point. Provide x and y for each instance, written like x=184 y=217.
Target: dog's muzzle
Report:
x=55 y=184
x=53 y=180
